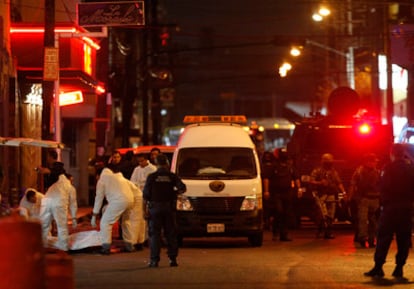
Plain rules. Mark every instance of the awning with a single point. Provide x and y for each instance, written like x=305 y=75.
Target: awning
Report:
x=69 y=79
x=16 y=142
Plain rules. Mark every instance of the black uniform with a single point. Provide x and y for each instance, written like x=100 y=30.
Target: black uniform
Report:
x=397 y=193
x=281 y=176
x=397 y=196
x=160 y=191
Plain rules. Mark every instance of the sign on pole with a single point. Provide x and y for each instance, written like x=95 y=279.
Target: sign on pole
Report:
x=122 y=13
x=51 y=64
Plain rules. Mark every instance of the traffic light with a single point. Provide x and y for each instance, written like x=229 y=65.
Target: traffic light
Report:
x=164 y=37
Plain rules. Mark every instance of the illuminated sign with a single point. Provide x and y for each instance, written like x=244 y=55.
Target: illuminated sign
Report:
x=69 y=98
x=122 y=13
x=35 y=95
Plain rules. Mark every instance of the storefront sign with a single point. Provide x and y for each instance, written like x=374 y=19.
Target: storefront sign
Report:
x=123 y=13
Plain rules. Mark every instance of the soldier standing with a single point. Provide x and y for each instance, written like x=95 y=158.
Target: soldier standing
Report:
x=328 y=187
x=365 y=191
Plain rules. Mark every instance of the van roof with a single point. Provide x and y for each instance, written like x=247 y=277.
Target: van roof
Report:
x=215 y=135
x=241 y=119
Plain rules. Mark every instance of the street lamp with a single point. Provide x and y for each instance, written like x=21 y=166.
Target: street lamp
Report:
x=284 y=69
x=321 y=13
x=349 y=55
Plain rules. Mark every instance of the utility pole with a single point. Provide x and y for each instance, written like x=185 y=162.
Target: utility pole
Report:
x=156 y=102
x=48 y=86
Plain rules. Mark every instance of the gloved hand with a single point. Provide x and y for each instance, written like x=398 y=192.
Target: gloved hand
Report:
x=93 y=221
x=74 y=223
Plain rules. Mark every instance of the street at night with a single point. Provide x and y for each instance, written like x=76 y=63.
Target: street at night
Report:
x=200 y=118
x=306 y=262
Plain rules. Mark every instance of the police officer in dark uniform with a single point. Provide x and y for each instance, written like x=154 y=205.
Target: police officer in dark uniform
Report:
x=160 y=193
x=396 y=197
x=279 y=181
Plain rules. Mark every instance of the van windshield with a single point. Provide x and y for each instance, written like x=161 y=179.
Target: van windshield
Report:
x=216 y=163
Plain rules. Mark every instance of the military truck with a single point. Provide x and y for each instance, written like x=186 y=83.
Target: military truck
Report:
x=348 y=132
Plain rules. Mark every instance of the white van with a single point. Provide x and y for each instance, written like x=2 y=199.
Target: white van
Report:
x=217 y=160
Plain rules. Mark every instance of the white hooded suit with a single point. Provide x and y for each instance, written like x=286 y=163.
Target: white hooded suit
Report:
x=59 y=198
x=119 y=192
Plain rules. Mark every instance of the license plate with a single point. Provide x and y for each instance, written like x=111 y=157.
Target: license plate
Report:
x=215 y=228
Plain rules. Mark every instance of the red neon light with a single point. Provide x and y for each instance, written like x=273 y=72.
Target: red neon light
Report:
x=72 y=30
x=100 y=89
x=42 y=30
x=70 y=98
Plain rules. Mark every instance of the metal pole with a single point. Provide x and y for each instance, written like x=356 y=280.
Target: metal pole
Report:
x=58 y=119
x=47 y=86
x=350 y=56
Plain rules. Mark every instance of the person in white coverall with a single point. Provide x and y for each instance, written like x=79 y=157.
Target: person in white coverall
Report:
x=119 y=193
x=30 y=204
x=138 y=177
x=59 y=198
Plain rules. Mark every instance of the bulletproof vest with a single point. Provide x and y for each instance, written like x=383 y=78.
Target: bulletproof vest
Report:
x=282 y=176
x=368 y=182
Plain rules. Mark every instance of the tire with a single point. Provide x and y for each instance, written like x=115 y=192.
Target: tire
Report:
x=256 y=240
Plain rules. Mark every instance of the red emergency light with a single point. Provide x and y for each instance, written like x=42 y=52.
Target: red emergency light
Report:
x=364 y=128
x=69 y=98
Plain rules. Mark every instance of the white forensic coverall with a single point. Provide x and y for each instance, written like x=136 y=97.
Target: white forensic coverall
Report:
x=31 y=211
x=59 y=198
x=140 y=174
x=138 y=225
x=138 y=177
x=118 y=192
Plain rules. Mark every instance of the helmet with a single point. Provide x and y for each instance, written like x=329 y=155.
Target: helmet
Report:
x=327 y=158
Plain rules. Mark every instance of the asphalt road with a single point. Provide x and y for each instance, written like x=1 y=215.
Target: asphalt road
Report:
x=306 y=262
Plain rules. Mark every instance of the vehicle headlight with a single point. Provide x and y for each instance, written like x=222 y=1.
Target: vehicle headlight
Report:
x=183 y=203
x=249 y=203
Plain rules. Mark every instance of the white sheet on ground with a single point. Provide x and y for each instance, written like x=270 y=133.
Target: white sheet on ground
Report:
x=79 y=240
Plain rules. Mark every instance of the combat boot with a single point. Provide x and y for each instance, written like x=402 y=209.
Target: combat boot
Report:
x=375 y=272
x=398 y=271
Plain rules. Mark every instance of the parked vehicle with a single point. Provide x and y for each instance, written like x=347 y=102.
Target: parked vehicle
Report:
x=218 y=162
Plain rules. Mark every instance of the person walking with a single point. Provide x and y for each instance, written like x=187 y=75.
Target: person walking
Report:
x=396 y=197
x=138 y=177
x=364 y=190
x=160 y=192
x=59 y=198
x=119 y=193
x=278 y=183
x=328 y=187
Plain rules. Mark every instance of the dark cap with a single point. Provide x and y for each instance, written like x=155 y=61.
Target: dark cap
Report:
x=57 y=168
x=161 y=160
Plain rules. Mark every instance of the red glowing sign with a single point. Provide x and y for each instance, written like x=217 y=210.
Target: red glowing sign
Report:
x=69 y=98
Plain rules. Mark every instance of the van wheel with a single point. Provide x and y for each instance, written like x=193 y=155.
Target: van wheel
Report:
x=256 y=240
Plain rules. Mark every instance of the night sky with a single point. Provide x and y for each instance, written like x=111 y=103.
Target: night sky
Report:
x=249 y=73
